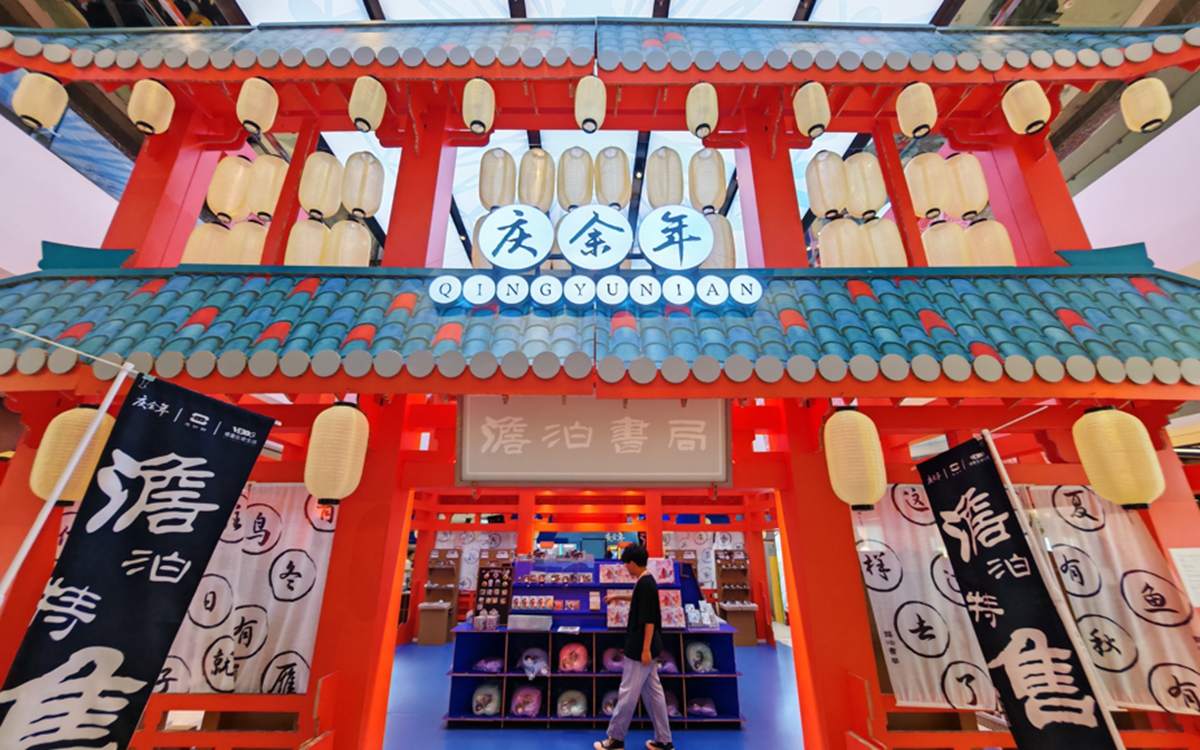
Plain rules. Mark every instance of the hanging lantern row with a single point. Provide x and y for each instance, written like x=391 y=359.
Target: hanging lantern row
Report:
x=952 y=187
x=240 y=187
x=312 y=243
x=844 y=243
x=215 y=244
x=854 y=186
x=337 y=452
x=984 y=243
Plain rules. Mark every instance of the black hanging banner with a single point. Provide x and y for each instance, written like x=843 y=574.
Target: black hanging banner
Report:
x=1049 y=702
x=167 y=481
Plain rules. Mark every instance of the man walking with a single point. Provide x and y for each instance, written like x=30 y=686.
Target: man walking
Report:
x=643 y=643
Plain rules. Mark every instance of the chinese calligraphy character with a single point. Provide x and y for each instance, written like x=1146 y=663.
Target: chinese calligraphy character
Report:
x=1041 y=678
x=687 y=435
x=259 y=527
x=165 y=679
x=923 y=631
x=966 y=681
x=224 y=665
x=1155 y=601
x=169 y=569
x=984 y=604
x=67 y=606
x=596 y=245
x=1070 y=568
x=515 y=235
x=981 y=525
x=162 y=409
x=169 y=511
x=1018 y=565
x=243 y=632
x=289 y=576
x=72 y=704
x=675 y=234
x=573 y=436
x=144 y=403
x=875 y=565
x=1103 y=643
x=628 y=435
x=506 y=433
x=285 y=681
x=1186 y=690
x=1079 y=509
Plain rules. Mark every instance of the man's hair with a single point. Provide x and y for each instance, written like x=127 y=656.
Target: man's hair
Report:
x=636 y=554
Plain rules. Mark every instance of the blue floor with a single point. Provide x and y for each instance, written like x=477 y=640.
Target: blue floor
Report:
x=421 y=692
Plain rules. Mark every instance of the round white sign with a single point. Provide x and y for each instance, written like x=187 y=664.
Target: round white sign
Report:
x=512 y=290
x=675 y=238
x=712 y=290
x=579 y=290
x=516 y=238
x=445 y=290
x=479 y=289
x=679 y=290
x=546 y=290
x=612 y=290
x=595 y=238
x=745 y=289
x=645 y=290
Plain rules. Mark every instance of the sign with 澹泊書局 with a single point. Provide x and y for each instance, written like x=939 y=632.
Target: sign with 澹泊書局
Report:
x=544 y=440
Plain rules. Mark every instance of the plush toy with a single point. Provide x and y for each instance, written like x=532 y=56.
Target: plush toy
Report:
x=490 y=665
x=572 y=704
x=486 y=701
x=672 y=704
x=702 y=707
x=573 y=658
x=535 y=662
x=666 y=663
x=614 y=660
x=699 y=658
x=609 y=704
x=527 y=701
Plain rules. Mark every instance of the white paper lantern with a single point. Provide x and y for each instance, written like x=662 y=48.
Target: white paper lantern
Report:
x=1118 y=457
x=613 y=186
x=825 y=180
x=707 y=183
x=988 y=244
x=1145 y=105
x=306 y=243
x=664 y=178
x=362 y=184
x=206 y=244
x=724 y=252
x=854 y=457
x=842 y=244
x=337 y=452
x=349 y=245
x=946 y=245
x=497 y=179
x=321 y=185
x=929 y=184
x=702 y=110
x=267 y=174
x=1026 y=107
x=883 y=238
x=916 y=110
x=40 y=100
x=257 y=105
x=151 y=106
x=229 y=188
x=479 y=106
x=62 y=437
x=575 y=178
x=865 y=191
x=368 y=101
x=810 y=105
x=244 y=246
x=535 y=186
x=969 y=190
x=591 y=103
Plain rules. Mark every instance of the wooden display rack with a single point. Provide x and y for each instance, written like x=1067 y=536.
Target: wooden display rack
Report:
x=445 y=566
x=733 y=577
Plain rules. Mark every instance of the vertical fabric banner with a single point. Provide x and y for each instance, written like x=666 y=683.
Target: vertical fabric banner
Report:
x=1046 y=694
x=171 y=473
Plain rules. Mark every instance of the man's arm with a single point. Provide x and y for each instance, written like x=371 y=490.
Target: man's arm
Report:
x=615 y=596
x=647 y=657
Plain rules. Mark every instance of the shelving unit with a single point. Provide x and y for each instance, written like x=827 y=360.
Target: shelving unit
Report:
x=444 y=574
x=733 y=576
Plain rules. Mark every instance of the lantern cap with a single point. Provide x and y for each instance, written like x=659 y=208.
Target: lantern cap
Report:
x=328 y=502
x=1099 y=408
x=862 y=508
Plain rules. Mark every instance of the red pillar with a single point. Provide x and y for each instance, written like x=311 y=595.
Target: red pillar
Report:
x=756 y=555
x=654 y=524
x=20 y=505
x=288 y=208
x=525 y=533
x=774 y=231
x=828 y=615
x=884 y=136
x=416 y=236
x=357 y=631
x=23 y=598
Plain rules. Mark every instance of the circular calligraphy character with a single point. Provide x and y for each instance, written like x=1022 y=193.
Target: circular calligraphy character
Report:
x=595 y=237
x=286 y=674
x=911 y=502
x=1111 y=646
x=922 y=629
x=724 y=540
x=472 y=557
x=249 y=630
x=880 y=565
x=1079 y=573
x=1155 y=599
x=262 y=526
x=675 y=238
x=212 y=603
x=235 y=527
x=444 y=537
x=1175 y=687
x=466 y=537
x=466 y=583
x=1076 y=505
x=941 y=570
x=293 y=574
x=174 y=677
x=701 y=538
x=221 y=669
x=516 y=237
x=966 y=686
x=495 y=540
x=322 y=517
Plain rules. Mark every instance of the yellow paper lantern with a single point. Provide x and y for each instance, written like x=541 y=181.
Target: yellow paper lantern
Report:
x=228 y=190
x=886 y=247
x=811 y=108
x=362 y=184
x=854 y=457
x=928 y=184
x=1118 y=457
x=1026 y=107
x=916 y=110
x=151 y=106
x=349 y=245
x=479 y=106
x=968 y=186
x=535 y=186
x=664 y=178
x=1145 y=105
x=707 y=183
x=245 y=244
x=206 y=244
x=497 y=179
x=865 y=191
x=306 y=243
x=267 y=174
x=257 y=105
x=337 y=452
x=724 y=252
x=613 y=186
x=321 y=185
x=702 y=110
x=368 y=101
x=842 y=244
x=591 y=103
x=62 y=437
x=575 y=179
x=946 y=245
x=988 y=244
x=478 y=259
x=40 y=100
x=825 y=180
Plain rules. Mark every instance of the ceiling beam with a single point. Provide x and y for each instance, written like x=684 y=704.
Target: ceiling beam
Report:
x=662 y=9
x=460 y=226
x=639 y=173
x=730 y=194
x=946 y=13
x=804 y=10
x=374 y=10
x=232 y=12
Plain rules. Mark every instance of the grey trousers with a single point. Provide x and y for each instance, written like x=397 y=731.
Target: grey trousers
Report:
x=636 y=680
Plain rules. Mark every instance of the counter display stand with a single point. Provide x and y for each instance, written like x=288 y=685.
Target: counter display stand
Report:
x=472 y=646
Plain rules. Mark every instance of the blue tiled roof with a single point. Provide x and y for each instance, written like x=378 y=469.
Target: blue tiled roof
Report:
x=1141 y=325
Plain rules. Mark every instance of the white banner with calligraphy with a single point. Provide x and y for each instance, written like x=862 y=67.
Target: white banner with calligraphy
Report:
x=252 y=625
x=472 y=543
x=1135 y=620
x=583 y=440
x=705 y=544
x=929 y=646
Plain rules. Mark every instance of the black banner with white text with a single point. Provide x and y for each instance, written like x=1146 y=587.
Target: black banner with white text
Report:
x=168 y=479
x=1046 y=695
